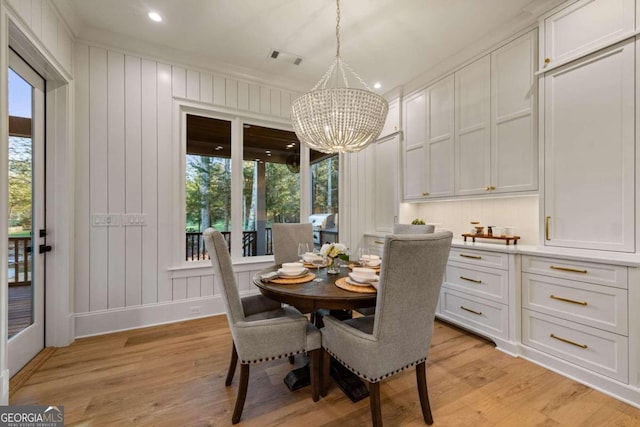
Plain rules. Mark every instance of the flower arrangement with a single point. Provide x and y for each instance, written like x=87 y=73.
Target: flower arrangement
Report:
x=335 y=250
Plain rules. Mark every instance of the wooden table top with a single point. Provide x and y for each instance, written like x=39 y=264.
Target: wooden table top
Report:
x=311 y=296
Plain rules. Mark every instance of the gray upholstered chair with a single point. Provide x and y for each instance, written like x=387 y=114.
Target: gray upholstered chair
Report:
x=413 y=228
x=286 y=238
x=402 y=229
x=398 y=335
x=263 y=335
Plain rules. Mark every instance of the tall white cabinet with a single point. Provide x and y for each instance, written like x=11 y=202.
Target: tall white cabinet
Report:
x=589 y=138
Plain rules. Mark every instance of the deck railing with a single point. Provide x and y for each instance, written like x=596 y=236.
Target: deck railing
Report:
x=19 y=261
x=195 y=249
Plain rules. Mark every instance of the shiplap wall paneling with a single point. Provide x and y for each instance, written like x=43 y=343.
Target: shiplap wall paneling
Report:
x=193 y=287
x=166 y=160
x=98 y=177
x=285 y=104
x=82 y=253
x=116 y=176
x=231 y=91
x=243 y=96
x=193 y=85
x=206 y=285
x=133 y=179
x=219 y=90
x=206 y=88
x=254 y=98
x=274 y=109
x=178 y=82
x=265 y=100
x=149 y=176
x=179 y=288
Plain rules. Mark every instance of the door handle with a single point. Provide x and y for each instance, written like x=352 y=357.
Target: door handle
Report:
x=44 y=248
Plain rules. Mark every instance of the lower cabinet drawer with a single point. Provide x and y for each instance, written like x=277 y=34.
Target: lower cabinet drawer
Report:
x=603 y=307
x=476 y=313
x=489 y=283
x=594 y=349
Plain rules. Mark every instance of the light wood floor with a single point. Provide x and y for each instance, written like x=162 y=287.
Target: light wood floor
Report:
x=173 y=375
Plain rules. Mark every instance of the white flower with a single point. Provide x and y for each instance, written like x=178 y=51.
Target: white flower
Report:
x=332 y=250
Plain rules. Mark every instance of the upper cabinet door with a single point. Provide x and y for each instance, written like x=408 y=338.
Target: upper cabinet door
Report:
x=392 y=123
x=514 y=136
x=584 y=27
x=440 y=136
x=414 y=157
x=589 y=137
x=472 y=134
x=386 y=183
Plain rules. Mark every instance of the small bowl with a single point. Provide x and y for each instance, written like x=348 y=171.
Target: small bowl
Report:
x=362 y=278
x=292 y=266
x=363 y=271
x=291 y=272
x=479 y=229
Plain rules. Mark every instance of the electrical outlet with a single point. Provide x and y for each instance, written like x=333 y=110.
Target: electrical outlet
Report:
x=194 y=310
x=133 y=220
x=105 y=220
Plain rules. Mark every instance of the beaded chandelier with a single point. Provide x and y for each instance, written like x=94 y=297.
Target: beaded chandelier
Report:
x=338 y=119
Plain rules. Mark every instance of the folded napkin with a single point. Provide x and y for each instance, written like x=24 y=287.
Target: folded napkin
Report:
x=267 y=277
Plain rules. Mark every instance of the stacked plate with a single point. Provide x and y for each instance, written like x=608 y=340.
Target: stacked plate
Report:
x=292 y=269
x=363 y=277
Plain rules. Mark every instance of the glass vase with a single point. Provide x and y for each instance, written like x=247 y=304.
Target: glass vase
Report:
x=333 y=267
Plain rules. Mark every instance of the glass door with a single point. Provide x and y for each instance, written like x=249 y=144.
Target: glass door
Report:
x=25 y=204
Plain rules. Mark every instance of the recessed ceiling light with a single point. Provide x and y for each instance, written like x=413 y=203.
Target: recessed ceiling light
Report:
x=377 y=85
x=154 y=16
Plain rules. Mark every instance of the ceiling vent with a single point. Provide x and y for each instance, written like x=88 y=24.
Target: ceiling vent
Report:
x=283 y=56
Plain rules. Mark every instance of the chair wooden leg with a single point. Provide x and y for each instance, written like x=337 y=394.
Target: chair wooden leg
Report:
x=421 y=376
x=326 y=376
x=315 y=356
x=232 y=366
x=242 y=393
x=374 y=404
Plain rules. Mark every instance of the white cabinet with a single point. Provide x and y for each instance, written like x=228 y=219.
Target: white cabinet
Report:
x=386 y=174
x=472 y=128
x=392 y=123
x=578 y=312
x=428 y=142
x=414 y=138
x=514 y=132
x=589 y=141
x=583 y=27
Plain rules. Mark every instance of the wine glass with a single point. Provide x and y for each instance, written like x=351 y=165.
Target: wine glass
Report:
x=318 y=260
x=303 y=248
x=363 y=256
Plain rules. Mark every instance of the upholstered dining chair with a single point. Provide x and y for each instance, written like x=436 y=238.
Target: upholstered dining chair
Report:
x=286 y=237
x=263 y=335
x=402 y=229
x=413 y=228
x=398 y=335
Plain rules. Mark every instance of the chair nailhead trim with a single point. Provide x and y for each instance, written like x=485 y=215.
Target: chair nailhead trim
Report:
x=375 y=380
x=266 y=359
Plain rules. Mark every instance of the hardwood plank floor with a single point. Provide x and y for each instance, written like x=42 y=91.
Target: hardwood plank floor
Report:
x=173 y=375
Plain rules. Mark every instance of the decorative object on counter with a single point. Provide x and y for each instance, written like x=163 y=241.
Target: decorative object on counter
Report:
x=418 y=221
x=486 y=236
x=338 y=119
x=490 y=230
x=334 y=252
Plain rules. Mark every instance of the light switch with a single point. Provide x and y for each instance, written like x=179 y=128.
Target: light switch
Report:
x=133 y=220
x=105 y=220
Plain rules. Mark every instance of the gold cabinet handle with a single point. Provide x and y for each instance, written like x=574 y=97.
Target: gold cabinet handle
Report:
x=487 y=188
x=572 y=301
x=570 y=270
x=470 y=280
x=492 y=188
x=425 y=194
x=380 y=242
x=479 y=313
x=471 y=256
x=547 y=221
x=547 y=60
x=568 y=341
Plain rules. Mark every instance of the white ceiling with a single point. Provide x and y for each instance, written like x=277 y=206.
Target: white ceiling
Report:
x=386 y=41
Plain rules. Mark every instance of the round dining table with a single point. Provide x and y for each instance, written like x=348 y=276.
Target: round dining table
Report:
x=313 y=295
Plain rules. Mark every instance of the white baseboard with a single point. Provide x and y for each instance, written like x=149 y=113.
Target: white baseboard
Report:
x=4 y=387
x=107 y=321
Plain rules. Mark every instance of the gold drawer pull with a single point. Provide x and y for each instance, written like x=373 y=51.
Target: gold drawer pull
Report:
x=471 y=280
x=572 y=301
x=479 y=313
x=471 y=256
x=570 y=270
x=547 y=220
x=568 y=341
x=380 y=242
x=425 y=194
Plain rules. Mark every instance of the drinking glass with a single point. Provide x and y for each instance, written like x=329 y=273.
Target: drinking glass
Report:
x=318 y=261
x=363 y=255
x=303 y=248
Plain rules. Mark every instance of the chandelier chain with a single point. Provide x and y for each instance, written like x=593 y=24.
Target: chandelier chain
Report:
x=337 y=28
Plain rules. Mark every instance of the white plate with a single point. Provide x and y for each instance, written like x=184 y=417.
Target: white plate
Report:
x=353 y=282
x=297 y=273
x=363 y=279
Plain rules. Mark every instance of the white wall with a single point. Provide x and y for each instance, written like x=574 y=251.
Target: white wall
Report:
x=128 y=161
